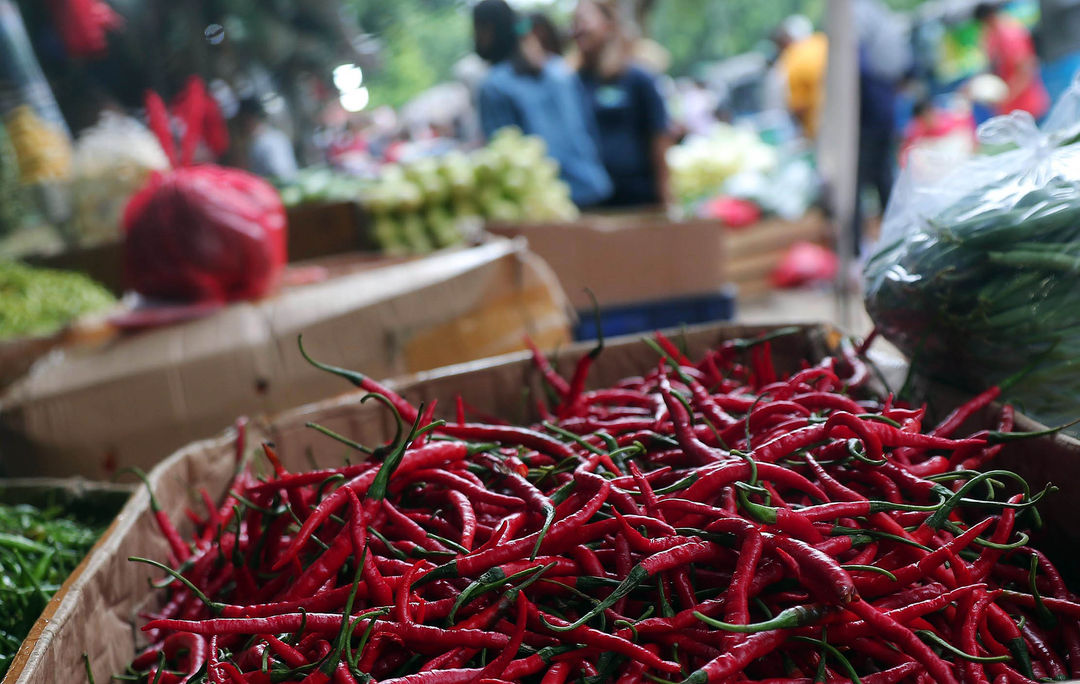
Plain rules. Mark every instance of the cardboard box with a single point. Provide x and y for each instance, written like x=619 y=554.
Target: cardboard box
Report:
x=319 y=229
x=141 y=397
x=628 y=258
x=97 y=616
x=755 y=251
x=94 y=503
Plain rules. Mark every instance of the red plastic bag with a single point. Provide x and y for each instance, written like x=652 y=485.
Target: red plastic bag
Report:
x=202 y=233
x=805 y=262
x=195 y=106
x=735 y=213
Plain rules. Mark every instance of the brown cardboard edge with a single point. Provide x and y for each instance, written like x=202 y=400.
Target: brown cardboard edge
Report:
x=830 y=334
x=75 y=487
x=59 y=609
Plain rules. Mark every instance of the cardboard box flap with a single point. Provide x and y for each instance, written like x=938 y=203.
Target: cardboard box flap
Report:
x=134 y=401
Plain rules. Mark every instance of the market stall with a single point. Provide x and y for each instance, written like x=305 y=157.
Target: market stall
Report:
x=366 y=396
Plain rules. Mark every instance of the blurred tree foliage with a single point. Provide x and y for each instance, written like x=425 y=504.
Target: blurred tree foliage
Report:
x=719 y=29
x=422 y=39
x=697 y=31
x=421 y=42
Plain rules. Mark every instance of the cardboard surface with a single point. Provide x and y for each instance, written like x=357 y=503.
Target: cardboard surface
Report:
x=141 y=397
x=628 y=258
x=98 y=614
x=318 y=229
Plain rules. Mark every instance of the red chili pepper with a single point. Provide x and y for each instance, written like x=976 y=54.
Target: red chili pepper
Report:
x=461 y=533
x=432 y=454
x=737 y=657
x=688 y=441
x=179 y=548
x=961 y=414
x=507 y=434
x=484 y=560
x=601 y=640
x=556 y=381
x=893 y=630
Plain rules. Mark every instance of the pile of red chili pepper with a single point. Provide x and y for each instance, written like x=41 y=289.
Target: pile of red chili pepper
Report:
x=709 y=521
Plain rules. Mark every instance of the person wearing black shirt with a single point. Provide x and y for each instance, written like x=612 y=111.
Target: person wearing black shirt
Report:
x=631 y=118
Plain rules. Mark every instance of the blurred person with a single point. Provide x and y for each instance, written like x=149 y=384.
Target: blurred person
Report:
x=549 y=35
x=632 y=121
x=349 y=150
x=802 y=57
x=528 y=88
x=1012 y=57
x=270 y=152
x=884 y=57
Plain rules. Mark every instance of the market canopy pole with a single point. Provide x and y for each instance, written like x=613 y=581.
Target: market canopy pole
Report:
x=837 y=149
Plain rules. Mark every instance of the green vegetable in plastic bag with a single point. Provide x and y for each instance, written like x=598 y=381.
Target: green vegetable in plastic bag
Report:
x=978 y=278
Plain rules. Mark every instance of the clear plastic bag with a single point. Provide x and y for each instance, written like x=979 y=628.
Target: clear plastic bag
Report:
x=29 y=111
x=977 y=278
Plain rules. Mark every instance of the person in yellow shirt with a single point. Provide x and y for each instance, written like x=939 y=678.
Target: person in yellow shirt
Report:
x=803 y=58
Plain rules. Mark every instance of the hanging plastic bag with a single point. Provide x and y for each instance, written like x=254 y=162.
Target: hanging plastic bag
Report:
x=977 y=278
x=202 y=233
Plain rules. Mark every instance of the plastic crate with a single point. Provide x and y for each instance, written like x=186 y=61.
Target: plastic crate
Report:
x=639 y=317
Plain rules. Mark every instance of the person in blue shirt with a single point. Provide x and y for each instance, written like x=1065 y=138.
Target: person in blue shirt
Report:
x=535 y=91
x=631 y=119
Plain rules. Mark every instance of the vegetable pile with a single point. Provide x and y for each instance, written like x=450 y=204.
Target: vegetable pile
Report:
x=978 y=276
x=429 y=203
x=988 y=289
x=40 y=301
x=38 y=550
x=419 y=205
x=701 y=165
x=712 y=520
x=321 y=184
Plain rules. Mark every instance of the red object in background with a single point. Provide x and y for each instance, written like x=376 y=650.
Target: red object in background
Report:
x=805 y=262
x=82 y=25
x=936 y=125
x=195 y=106
x=205 y=233
x=202 y=233
x=735 y=213
x=1011 y=52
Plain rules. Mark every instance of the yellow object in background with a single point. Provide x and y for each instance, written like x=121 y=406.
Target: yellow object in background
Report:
x=803 y=64
x=43 y=151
